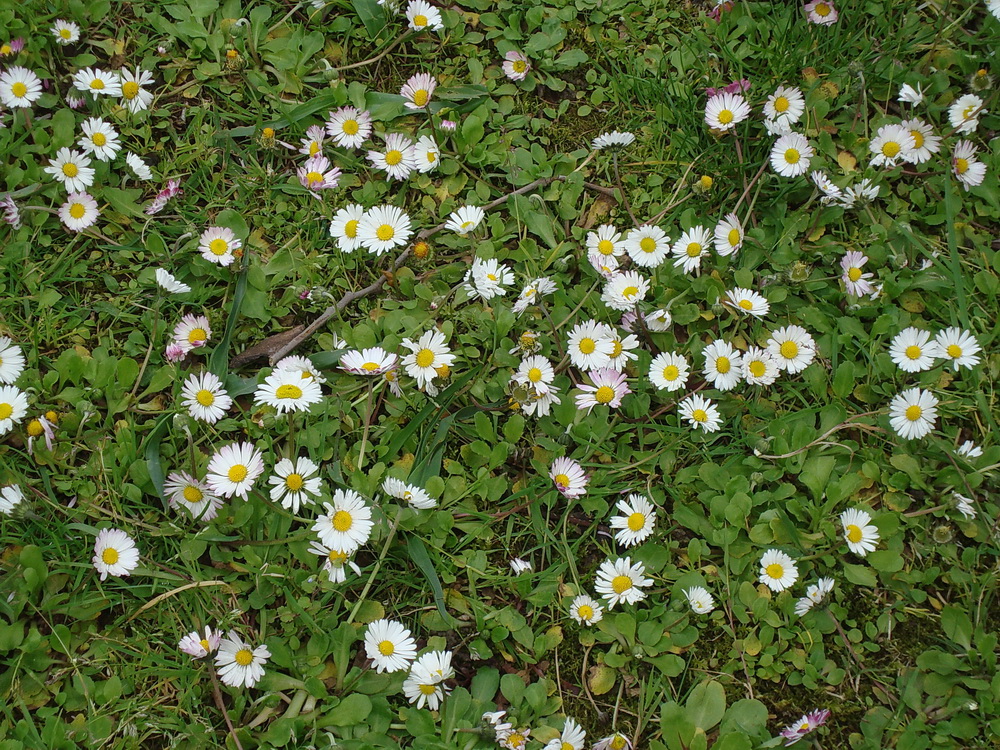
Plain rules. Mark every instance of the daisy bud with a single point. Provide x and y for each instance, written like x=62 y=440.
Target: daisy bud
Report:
x=448 y=125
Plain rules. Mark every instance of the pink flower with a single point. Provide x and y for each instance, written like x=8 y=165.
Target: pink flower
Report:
x=448 y=125
x=175 y=353
x=516 y=66
x=11 y=214
x=808 y=723
x=172 y=190
x=721 y=7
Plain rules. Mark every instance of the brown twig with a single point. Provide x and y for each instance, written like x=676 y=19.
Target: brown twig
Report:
x=217 y=693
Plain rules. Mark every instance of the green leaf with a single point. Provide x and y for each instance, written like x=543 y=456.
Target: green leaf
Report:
x=706 y=705
x=957 y=626
x=860 y=574
x=418 y=553
x=372 y=16
x=353 y=709
x=218 y=363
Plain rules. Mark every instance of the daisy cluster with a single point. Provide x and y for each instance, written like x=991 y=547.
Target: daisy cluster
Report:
x=573 y=736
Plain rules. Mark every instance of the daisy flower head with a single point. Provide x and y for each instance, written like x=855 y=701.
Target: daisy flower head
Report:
x=700 y=601
x=815 y=594
x=623 y=349
x=427 y=154
x=398 y=161
x=335 y=562
x=191 y=494
x=316 y=174
x=303 y=366
x=608 y=389
x=312 y=144
x=668 y=371
x=192 y=332
x=786 y=103
x=288 y=391
x=860 y=194
x=691 y=247
x=349 y=127
x=427 y=354
x=347 y=523
x=624 y=291
x=424 y=685
x=965 y=505
x=647 y=245
x=344 y=227
x=199 y=645
x=790 y=155
x=616 y=741
x=98 y=82
x=658 y=320
x=954 y=344
x=513 y=739
x=135 y=98
x=533 y=292
x=65 y=32
x=891 y=144
x=115 y=554
x=11 y=361
x=418 y=90
x=11 y=213
x=79 y=212
x=724 y=111
x=589 y=346
x=19 y=87
x=569 y=477
x=422 y=16
x=748 y=302
x=234 y=468
x=925 y=143
x=585 y=610
x=777 y=570
x=860 y=534
x=831 y=192
x=606 y=241
x=636 y=522
x=913 y=413
x=605 y=265
x=913 y=351
x=808 y=723
x=965 y=166
x=166 y=281
x=969 y=449
x=821 y=12
x=486 y=278
x=723 y=365
x=572 y=737
x=13 y=407
x=373 y=361
x=205 y=397
x=854 y=278
x=72 y=169
x=621 y=581
x=993 y=6
x=613 y=140
x=516 y=66
x=383 y=228
x=390 y=646
x=239 y=663
x=416 y=497
x=537 y=371
x=759 y=366
x=792 y=348
x=295 y=482
x=964 y=114
x=10 y=497
x=728 y=235
x=217 y=245
x=701 y=413
x=910 y=94
x=519 y=566
x=465 y=219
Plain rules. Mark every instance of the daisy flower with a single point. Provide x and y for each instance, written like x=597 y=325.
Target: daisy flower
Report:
x=398 y=160
x=198 y=645
x=303 y=366
x=572 y=737
x=925 y=143
x=390 y=646
x=658 y=320
x=616 y=741
x=913 y=413
x=831 y=192
x=424 y=687
x=855 y=280
x=636 y=522
x=192 y=332
x=239 y=663
x=344 y=227
x=954 y=344
x=993 y=6
x=423 y=16
x=623 y=350
x=134 y=97
x=427 y=354
x=537 y=371
x=790 y=155
x=334 y=562
x=426 y=154
x=383 y=228
x=72 y=169
x=647 y=245
x=11 y=213
x=668 y=371
x=792 y=347
x=608 y=389
x=166 y=281
x=700 y=412
x=728 y=235
x=98 y=82
x=65 y=32
x=815 y=594
x=605 y=241
x=690 y=248
x=613 y=140
x=373 y=361
x=910 y=95
x=349 y=127
x=725 y=110
x=965 y=505
x=19 y=87
x=700 y=601
x=759 y=367
x=194 y=496
x=205 y=397
x=217 y=245
x=605 y=265
x=964 y=114
x=288 y=391
x=589 y=346
x=514 y=739
x=533 y=292
x=486 y=278
x=234 y=468
x=969 y=449
x=415 y=496
x=912 y=351
x=11 y=361
x=294 y=483
x=418 y=90
x=748 y=301
x=10 y=497
x=115 y=554
x=13 y=407
x=137 y=165
x=965 y=166
x=821 y=12
x=79 y=212
x=624 y=291
x=516 y=66
x=465 y=219
x=585 y=610
x=777 y=570
x=723 y=365
x=519 y=566
x=891 y=144
x=786 y=103
x=621 y=581
x=312 y=144
x=347 y=523
x=316 y=174
x=808 y=723
x=859 y=533
x=569 y=477
x=99 y=139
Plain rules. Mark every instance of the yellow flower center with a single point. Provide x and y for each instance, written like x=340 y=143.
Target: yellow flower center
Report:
x=757 y=368
x=491 y=277
x=585 y=611
x=968 y=111
x=647 y=245
x=853 y=533
x=605 y=247
x=268 y=132
x=733 y=237
x=792 y=156
x=192 y=494
x=420 y=97
x=65 y=33
x=913 y=413
x=587 y=345
x=854 y=273
x=342 y=521
x=428 y=689
x=419 y=20
x=705 y=182
x=726 y=117
x=294 y=482
x=205 y=397
x=336 y=558
x=605 y=394
x=918 y=138
x=5 y=411
x=425 y=358
x=205 y=644
x=6 y=50
x=370 y=366
x=775 y=571
x=745 y=304
x=350 y=127
x=630 y=291
x=313 y=148
x=562 y=480
x=18 y=89
x=913 y=352
x=670 y=372
x=197 y=335
x=961 y=165
x=237 y=473
x=110 y=556
x=636 y=521
x=789 y=349
x=351 y=228
x=431 y=156
x=534 y=374
x=618 y=743
x=313 y=177
x=781 y=104
x=890 y=149
x=386 y=648
x=520 y=66
x=99 y=139
x=70 y=169
x=699 y=415
x=392 y=158
x=288 y=391
x=621 y=584
x=693 y=249
x=243 y=657
x=218 y=246
x=34 y=426
x=130 y=89
x=954 y=351
x=723 y=365
x=97 y=83
x=77 y=210
x=385 y=232
x=822 y=10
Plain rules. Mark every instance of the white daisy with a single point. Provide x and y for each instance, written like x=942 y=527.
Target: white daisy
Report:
x=910 y=95
x=137 y=165
x=647 y=245
x=606 y=241
x=589 y=346
x=418 y=90
x=205 y=397
x=585 y=610
x=519 y=566
x=723 y=365
x=19 y=87
x=728 y=235
x=465 y=219
x=288 y=391
x=725 y=111
x=99 y=139
x=668 y=371
x=969 y=449
x=777 y=570
x=965 y=166
x=98 y=82
x=691 y=247
x=624 y=291
x=569 y=477
x=383 y=228
x=344 y=227
x=913 y=351
x=759 y=367
x=200 y=645
x=312 y=144
x=168 y=283
x=115 y=553
x=623 y=349
x=964 y=114
x=334 y=562
x=487 y=278
x=621 y=581
x=701 y=413
x=239 y=663
x=925 y=143
x=192 y=332
x=636 y=522
x=616 y=741
x=194 y=496
x=217 y=245
x=294 y=483
x=700 y=601
x=821 y=12
x=11 y=361
x=748 y=301
x=78 y=212
x=65 y=32
x=422 y=16
x=72 y=169
x=891 y=144
x=792 y=347
x=415 y=496
x=427 y=354
x=605 y=265
x=390 y=646
x=515 y=66
x=861 y=535
x=913 y=413
x=373 y=361
x=608 y=389
x=965 y=505
x=831 y=192
x=316 y=174
x=10 y=497
x=424 y=685
x=572 y=737
x=349 y=127
x=658 y=320
x=13 y=407
x=347 y=523
x=953 y=344
x=786 y=103
x=537 y=371
x=427 y=154
x=533 y=292
x=135 y=98
x=854 y=278
x=790 y=155
x=398 y=160
x=234 y=468
x=613 y=140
